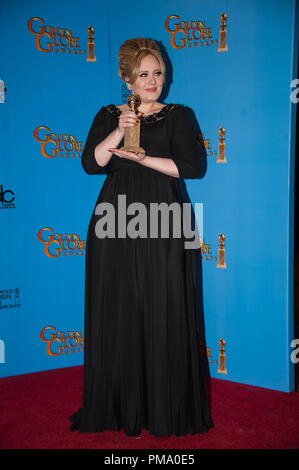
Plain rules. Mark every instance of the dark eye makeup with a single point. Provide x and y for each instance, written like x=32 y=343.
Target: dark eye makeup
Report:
x=144 y=73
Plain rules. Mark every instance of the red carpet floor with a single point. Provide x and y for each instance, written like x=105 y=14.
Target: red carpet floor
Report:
x=35 y=409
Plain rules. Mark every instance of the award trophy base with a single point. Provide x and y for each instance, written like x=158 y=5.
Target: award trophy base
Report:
x=222 y=36
x=131 y=139
x=221 y=154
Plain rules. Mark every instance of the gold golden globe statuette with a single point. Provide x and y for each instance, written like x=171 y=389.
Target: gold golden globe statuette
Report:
x=222 y=33
x=221 y=146
x=222 y=368
x=221 y=251
x=132 y=134
x=90 y=55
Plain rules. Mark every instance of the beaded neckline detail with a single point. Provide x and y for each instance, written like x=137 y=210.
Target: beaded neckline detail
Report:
x=145 y=119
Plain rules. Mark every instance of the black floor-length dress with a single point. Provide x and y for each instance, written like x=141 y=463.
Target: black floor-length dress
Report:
x=142 y=364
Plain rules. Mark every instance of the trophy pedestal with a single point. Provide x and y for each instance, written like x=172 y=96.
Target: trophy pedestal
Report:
x=222 y=42
x=221 y=153
x=91 y=57
x=221 y=262
x=131 y=139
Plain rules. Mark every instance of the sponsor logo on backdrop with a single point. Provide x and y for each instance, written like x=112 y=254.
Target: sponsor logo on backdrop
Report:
x=56 y=144
x=62 y=342
x=195 y=33
x=7 y=197
x=60 y=244
x=2 y=91
x=54 y=38
x=10 y=298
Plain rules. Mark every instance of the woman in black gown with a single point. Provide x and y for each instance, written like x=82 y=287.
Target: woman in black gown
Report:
x=142 y=364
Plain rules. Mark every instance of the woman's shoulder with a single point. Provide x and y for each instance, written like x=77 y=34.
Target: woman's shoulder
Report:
x=116 y=110
x=182 y=109
x=109 y=109
x=122 y=107
x=177 y=109
x=179 y=106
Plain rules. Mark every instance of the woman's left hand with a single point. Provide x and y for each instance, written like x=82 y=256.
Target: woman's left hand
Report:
x=135 y=156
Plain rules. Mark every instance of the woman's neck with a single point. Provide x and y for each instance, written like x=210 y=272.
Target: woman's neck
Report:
x=150 y=108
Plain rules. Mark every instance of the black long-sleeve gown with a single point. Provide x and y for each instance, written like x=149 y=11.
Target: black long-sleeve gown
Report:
x=142 y=365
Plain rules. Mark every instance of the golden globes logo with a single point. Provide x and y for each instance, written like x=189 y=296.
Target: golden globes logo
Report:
x=206 y=254
x=57 y=145
x=188 y=33
x=220 y=153
x=207 y=355
x=56 y=244
x=62 y=342
x=53 y=39
x=205 y=251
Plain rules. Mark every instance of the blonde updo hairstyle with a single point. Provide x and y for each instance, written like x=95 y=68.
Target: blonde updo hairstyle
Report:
x=130 y=55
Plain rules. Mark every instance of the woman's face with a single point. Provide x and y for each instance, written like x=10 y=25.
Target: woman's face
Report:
x=149 y=82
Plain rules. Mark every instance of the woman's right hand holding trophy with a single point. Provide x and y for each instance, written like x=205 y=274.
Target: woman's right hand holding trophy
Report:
x=128 y=119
